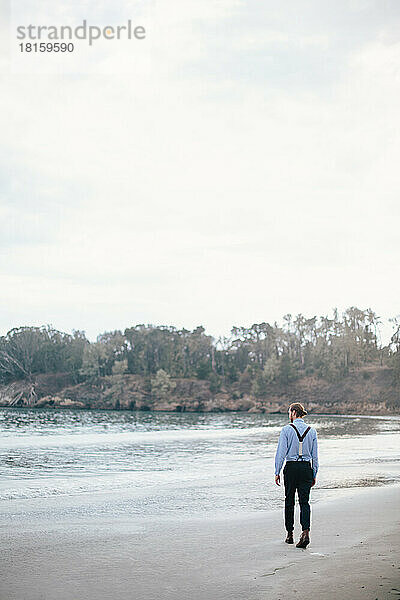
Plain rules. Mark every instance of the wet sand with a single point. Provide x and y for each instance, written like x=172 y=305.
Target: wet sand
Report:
x=353 y=554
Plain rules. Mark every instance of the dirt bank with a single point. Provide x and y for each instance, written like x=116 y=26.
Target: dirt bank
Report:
x=366 y=391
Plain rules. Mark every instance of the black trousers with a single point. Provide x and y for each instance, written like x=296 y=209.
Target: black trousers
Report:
x=297 y=475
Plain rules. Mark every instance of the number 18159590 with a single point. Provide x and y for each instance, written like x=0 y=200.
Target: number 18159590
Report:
x=46 y=47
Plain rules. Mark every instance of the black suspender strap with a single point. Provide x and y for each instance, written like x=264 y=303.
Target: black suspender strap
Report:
x=301 y=438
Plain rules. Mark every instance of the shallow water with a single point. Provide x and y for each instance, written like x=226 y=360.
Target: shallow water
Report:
x=180 y=464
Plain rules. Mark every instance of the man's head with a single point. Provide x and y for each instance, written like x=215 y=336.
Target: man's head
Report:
x=295 y=411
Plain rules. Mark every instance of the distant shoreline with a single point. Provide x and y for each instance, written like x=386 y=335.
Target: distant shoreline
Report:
x=198 y=412
x=366 y=391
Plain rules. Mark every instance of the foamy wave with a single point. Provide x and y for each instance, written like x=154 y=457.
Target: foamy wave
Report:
x=128 y=437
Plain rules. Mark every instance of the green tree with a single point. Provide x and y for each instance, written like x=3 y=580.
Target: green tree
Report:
x=286 y=371
x=271 y=369
x=94 y=360
x=162 y=386
x=258 y=386
x=120 y=367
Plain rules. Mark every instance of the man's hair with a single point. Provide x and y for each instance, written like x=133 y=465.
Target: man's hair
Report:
x=298 y=408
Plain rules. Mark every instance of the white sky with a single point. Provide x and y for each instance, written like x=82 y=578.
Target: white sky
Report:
x=240 y=163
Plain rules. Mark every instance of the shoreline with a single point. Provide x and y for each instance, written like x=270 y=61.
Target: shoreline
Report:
x=311 y=413
x=367 y=389
x=354 y=545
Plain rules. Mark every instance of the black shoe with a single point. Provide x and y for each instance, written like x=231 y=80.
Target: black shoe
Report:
x=304 y=540
x=289 y=539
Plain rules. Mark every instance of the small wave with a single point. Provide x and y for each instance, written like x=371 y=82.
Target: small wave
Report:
x=30 y=493
x=362 y=482
x=130 y=437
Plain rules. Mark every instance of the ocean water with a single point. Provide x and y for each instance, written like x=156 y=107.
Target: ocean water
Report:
x=152 y=465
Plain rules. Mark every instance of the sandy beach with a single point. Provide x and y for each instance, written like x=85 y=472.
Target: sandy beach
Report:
x=354 y=554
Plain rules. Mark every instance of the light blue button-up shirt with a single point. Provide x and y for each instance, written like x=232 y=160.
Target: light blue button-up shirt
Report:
x=288 y=445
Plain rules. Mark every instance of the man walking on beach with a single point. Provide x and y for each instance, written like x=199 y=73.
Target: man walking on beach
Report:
x=298 y=444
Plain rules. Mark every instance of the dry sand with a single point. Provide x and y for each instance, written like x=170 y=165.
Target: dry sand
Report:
x=353 y=554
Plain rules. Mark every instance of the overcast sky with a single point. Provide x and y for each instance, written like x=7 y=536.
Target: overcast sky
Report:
x=240 y=163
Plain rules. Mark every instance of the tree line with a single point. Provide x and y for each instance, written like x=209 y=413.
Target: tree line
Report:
x=327 y=346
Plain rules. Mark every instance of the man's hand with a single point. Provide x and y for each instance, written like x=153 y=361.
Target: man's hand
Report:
x=313 y=482
x=277 y=479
